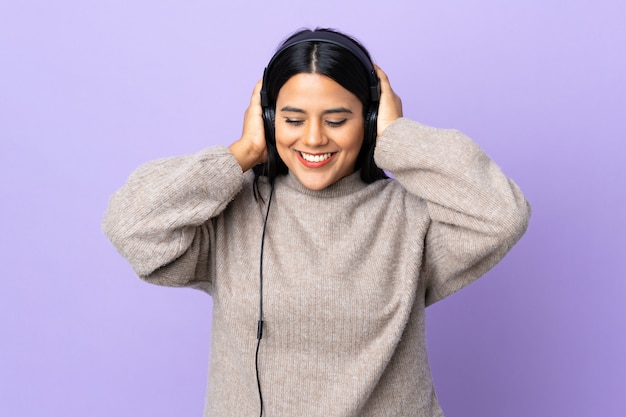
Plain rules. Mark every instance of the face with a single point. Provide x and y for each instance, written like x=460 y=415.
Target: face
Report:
x=319 y=129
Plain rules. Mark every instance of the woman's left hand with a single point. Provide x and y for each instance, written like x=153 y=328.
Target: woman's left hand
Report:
x=390 y=106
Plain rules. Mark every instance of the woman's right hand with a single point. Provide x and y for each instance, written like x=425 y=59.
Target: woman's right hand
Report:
x=250 y=150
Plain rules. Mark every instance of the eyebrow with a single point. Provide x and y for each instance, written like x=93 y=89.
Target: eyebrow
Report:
x=329 y=111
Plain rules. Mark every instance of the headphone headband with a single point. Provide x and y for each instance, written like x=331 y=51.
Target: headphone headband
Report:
x=332 y=38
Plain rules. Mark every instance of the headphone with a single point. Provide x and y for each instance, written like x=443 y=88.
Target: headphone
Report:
x=338 y=39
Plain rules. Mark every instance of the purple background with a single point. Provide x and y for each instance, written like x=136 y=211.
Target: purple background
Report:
x=91 y=89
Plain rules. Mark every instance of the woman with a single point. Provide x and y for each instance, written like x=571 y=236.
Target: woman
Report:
x=320 y=267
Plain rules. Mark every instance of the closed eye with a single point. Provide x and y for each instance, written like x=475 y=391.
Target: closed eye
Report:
x=294 y=122
x=338 y=123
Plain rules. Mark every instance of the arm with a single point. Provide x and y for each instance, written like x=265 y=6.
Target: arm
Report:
x=159 y=220
x=477 y=213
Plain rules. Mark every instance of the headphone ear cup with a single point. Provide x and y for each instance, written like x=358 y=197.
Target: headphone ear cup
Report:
x=371 y=124
x=269 y=120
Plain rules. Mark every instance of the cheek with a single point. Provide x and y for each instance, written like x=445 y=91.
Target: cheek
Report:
x=281 y=137
x=356 y=141
x=282 y=131
x=283 y=142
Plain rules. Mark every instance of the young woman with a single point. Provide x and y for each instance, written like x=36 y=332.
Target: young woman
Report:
x=319 y=265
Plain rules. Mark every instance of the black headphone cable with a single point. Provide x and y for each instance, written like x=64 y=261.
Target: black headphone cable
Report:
x=259 y=334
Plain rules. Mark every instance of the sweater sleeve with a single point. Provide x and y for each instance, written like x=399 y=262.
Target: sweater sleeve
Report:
x=476 y=213
x=160 y=220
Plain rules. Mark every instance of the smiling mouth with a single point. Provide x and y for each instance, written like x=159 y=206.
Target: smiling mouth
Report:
x=319 y=160
x=315 y=158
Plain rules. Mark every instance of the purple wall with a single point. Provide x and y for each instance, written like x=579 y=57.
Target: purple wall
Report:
x=89 y=90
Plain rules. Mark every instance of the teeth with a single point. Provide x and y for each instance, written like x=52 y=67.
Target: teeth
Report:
x=315 y=158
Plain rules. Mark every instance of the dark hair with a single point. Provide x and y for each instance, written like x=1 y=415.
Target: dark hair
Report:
x=339 y=64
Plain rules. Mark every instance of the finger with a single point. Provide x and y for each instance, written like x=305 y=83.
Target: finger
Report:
x=390 y=107
x=385 y=85
x=379 y=71
x=386 y=91
x=256 y=93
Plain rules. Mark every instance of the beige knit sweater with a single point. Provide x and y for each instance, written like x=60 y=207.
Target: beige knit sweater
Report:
x=348 y=270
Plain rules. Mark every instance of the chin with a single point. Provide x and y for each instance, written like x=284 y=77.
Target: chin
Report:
x=315 y=184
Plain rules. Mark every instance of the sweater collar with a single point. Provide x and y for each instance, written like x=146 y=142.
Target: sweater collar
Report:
x=345 y=186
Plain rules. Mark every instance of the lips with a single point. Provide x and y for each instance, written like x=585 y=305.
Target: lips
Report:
x=311 y=160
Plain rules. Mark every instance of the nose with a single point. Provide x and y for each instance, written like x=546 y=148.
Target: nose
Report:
x=314 y=135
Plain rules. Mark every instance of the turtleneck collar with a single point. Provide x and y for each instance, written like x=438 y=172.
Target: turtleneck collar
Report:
x=345 y=186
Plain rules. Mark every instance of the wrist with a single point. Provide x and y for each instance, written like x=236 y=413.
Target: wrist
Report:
x=246 y=155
